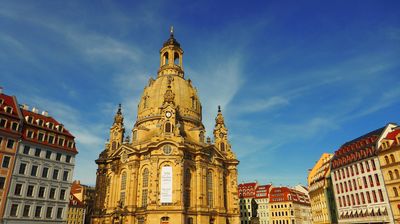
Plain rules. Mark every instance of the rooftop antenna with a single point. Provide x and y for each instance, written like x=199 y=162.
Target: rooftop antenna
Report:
x=172 y=31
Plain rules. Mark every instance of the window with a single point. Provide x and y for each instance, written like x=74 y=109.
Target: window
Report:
x=55 y=174
x=395 y=192
x=2 y=182
x=59 y=128
x=59 y=213
x=29 y=192
x=8 y=109
x=391 y=175
x=373 y=164
x=168 y=127
x=52 y=193
x=377 y=179
x=38 y=210
x=17 y=190
x=367 y=166
x=45 y=172
x=48 y=212
x=41 y=192
x=368 y=197
x=210 y=199
x=34 y=170
x=396 y=173
x=22 y=168
x=61 y=141
x=50 y=125
x=26 y=211
x=361 y=168
x=374 y=196
x=48 y=154
x=65 y=176
x=14 y=126
x=70 y=144
x=29 y=119
x=387 y=160
x=365 y=182
x=356 y=168
x=362 y=197
x=58 y=156
x=50 y=139
x=3 y=123
x=123 y=188
x=187 y=191
x=145 y=184
x=6 y=161
x=380 y=195
x=30 y=134
x=392 y=158
x=68 y=159
x=62 y=194
x=371 y=182
x=37 y=152
x=354 y=184
x=26 y=150
x=41 y=136
x=13 y=210
x=39 y=122
x=10 y=143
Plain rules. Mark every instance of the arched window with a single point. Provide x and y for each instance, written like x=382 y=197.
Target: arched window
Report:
x=395 y=192
x=222 y=146
x=164 y=219
x=210 y=199
x=123 y=188
x=188 y=179
x=176 y=58
x=168 y=127
x=145 y=185
x=396 y=173
x=225 y=186
x=390 y=174
x=392 y=158
x=201 y=136
x=387 y=159
x=165 y=58
x=114 y=145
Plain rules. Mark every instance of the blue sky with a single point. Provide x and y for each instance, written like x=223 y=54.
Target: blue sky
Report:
x=294 y=80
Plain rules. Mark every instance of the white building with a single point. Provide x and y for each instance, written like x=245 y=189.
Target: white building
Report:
x=40 y=183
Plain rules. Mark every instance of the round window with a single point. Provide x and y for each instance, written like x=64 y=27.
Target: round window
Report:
x=167 y=149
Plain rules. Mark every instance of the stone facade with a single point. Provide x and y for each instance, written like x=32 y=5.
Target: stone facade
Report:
x=389 y=158
x=167 y=172
x=323 y=207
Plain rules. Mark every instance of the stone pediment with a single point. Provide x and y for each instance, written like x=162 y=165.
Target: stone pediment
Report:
x=123 y=149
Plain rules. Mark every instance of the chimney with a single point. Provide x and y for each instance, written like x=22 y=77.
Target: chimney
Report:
x=35 y=110
x=25 y=106
x=45 y=113
x=1 y=90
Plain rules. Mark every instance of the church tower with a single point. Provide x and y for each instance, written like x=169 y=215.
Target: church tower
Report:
x=167 y=173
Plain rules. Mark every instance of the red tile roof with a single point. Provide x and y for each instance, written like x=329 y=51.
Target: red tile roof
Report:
x=10 y=102
x=75 y=202
x=247 y=190
x=285 y=194
x=262 y=191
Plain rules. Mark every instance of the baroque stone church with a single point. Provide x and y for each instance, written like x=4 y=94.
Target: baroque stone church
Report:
x=167 y=173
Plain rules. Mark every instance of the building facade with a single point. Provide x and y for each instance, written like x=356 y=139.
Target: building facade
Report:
x=76 y=211
x=248 y=209
x=262 y=199
x=10 y=133
x=86 y=195
x=359 y=188
x=323 y=207
x=288 y=206
x=389 y=158
x=44 y=164
x=167 y=172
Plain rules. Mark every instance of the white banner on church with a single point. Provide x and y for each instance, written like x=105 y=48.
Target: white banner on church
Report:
x=166 y=184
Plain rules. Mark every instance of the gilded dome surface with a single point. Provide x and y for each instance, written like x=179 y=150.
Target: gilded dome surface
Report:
x=185 y=98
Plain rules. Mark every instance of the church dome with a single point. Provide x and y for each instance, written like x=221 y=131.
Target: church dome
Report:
x=170 y=86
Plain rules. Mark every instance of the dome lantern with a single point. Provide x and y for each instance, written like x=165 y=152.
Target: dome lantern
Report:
x=171 y=57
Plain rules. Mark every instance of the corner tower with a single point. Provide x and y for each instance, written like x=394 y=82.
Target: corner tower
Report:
x=167 y=173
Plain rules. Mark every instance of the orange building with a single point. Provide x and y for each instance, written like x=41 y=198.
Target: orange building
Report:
x=10 y=132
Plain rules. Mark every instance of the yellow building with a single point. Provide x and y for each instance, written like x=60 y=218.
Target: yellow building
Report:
x=167 y=172
x=322 y=201
x=389 y=158
x=76 y=211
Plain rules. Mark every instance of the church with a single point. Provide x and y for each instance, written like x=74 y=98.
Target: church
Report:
x=167 y=172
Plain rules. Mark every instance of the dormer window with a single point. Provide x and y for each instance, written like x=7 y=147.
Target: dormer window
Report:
x=29 y=119
x=70 y=144
x=39 y=122
x=8 y=109
x=1 y=101
x=50 y=125
x=60 y=128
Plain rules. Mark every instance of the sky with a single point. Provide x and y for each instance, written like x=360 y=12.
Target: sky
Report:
x=294 y=80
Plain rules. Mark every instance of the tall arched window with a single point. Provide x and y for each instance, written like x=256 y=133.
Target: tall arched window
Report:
x=145 y=185
x=396 y=173
x=390 y=174
x=222 y=146
x=395 y=192
x=392 y=158
x=201 y=136
x=168 y=127
x=165 y=58
x=123 y=188
x=387 y=159
x=188 y=179
x=176 y=58
x=210 y=199
x=114 y=145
